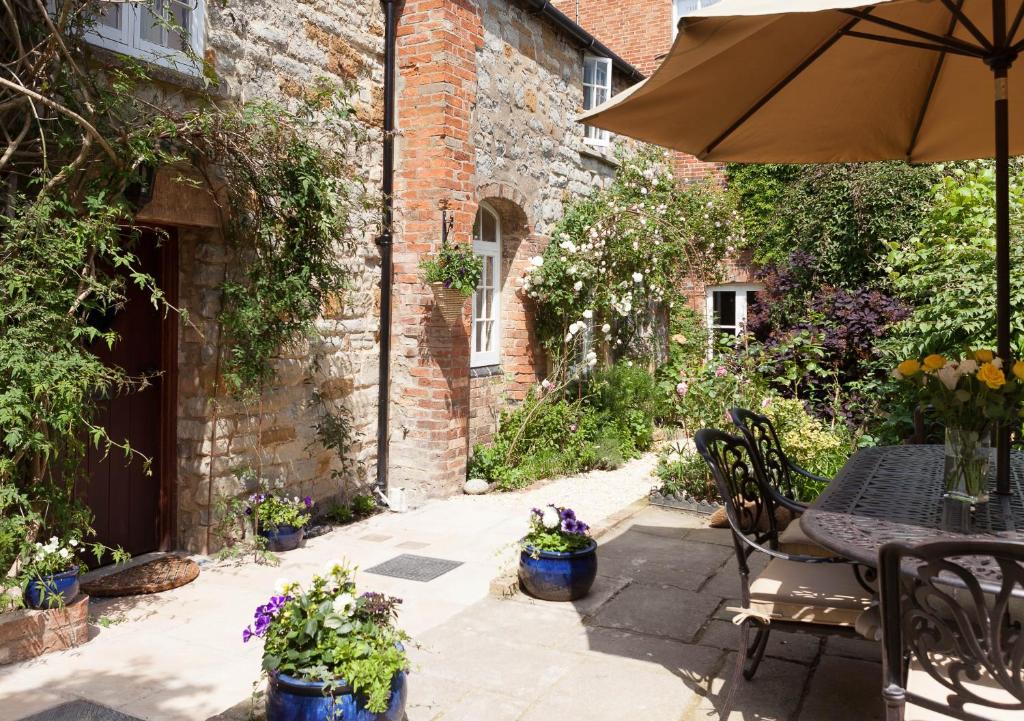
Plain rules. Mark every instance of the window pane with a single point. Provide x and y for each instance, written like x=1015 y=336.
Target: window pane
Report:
x=479 y=303
x=181 y=14
x=490 y=228
x=601 y=73
x=489 y=271
x=589 y=68
x=150 y=28
x=724 y=308
x=488 y=336
x=110 y=16
x=478 y=343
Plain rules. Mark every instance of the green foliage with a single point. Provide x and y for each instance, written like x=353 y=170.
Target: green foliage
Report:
x=809 y=442
x=363 y=505
x=456 y=266
x=842 y=215
x=681 y=471
x=327 y=633
x=618 y=255
x=947 y=271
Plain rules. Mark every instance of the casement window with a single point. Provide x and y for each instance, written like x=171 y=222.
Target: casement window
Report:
x=597 y=88
x=160 y=31
x=486 y=328
x=727 y=307
x=682 y=8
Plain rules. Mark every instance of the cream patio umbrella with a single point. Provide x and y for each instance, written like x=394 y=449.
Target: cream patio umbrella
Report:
x=819 y=81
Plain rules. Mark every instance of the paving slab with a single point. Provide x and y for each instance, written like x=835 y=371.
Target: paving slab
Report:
x=653 y=558
x=773 y=695
x=844 y=689
x=662 y=611
x=797 y=647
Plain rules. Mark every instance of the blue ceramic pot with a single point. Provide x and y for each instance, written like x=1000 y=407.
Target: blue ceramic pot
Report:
x=553 y=576
x=53 y=591
x=291 y=699
x=282 y=538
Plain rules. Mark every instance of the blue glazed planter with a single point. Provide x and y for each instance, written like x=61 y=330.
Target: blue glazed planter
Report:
x=282 y=538
x=53 y=591
x=556 y=576
x=291 y=699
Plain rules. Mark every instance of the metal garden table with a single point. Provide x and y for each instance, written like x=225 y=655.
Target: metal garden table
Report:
x=894 y=493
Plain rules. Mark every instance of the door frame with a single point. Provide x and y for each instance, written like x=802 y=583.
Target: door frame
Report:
x=168 y=440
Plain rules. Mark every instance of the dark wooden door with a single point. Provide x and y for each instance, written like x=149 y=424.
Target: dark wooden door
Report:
x=127 y=501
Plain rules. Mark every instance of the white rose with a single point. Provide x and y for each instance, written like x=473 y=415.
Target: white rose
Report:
x=606 y=328
x=65 y=553
x=997 y=363
x=577 y=286
x=969 y=366
x=588 y=314
x=638 y=277
x=72 y=543
x=551 y=519
x=537 y=261
x=950 y=376
x=545 y=384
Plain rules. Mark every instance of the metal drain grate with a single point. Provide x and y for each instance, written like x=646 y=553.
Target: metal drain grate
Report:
x=414 y=568
x=80 y=711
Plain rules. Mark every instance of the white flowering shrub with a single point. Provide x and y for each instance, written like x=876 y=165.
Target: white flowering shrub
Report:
x=619 y=255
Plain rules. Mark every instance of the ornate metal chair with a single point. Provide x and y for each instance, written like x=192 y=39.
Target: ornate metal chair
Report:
x=952 y=616
x=803 y=593
x=776 y=471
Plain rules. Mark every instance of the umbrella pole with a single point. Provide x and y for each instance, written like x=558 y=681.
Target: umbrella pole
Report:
x=1002 y=117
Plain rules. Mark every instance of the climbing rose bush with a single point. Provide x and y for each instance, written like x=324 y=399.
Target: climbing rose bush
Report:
x=621 y=254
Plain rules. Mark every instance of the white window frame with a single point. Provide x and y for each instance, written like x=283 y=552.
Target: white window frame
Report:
x=741 y=290
x=593 y=135
x=677 y=16
x=485 y=250
x=129 y=41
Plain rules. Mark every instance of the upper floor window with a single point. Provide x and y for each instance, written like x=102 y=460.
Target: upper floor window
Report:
x=486 y=338
x=682 y=8
x=160 y=31
x=597 y=88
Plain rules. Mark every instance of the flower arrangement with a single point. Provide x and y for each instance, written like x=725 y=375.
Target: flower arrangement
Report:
x=329 y=634
x=970 y=393
x=271 y=511
x=556 y=529
x=455 y=267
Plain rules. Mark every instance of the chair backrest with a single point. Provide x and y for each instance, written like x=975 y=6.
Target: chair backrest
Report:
x=750 y=510
x=770 y=460
x=956 y=609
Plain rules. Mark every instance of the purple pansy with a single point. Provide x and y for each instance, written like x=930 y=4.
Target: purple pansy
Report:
x=263 y=616
x=308 y=502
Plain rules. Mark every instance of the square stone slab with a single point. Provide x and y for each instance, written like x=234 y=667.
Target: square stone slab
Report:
x=414 y=568
x=663 y=611
x=80 y=711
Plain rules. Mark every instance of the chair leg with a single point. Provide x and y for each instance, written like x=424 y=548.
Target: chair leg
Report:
x=756 y=652
x=737 y=674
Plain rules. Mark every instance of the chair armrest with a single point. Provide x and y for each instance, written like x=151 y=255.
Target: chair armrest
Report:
x=807 y=474
x=795 y=507
x=799 y=558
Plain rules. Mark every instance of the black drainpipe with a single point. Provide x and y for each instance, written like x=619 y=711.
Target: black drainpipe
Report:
x=386 y=243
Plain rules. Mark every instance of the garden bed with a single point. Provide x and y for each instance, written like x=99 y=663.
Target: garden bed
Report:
x=27 y=633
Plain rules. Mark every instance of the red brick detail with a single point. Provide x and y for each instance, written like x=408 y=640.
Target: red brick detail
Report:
x=737 y=269
x=437 y=46
x=26 y=634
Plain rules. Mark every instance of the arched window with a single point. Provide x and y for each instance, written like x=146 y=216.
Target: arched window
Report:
x=486 y=338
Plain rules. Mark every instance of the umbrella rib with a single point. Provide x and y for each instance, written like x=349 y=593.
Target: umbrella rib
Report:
x=908 y=43
x=931 y=87
x=958 y=12
x=950 y=42
x=779 y=86
x=1016 y=24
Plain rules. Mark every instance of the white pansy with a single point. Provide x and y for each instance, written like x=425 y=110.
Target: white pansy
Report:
x=551 y=519
x=65 y=553
x=588 y=314
x=537 y=261
x=282 y=586
x=343 y=604
x=332 y=567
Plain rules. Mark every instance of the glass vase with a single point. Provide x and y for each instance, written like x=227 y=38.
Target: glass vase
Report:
x=968 y=456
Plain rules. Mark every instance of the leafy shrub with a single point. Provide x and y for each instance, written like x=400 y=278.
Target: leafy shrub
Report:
x=812 y=444
x=681 y=470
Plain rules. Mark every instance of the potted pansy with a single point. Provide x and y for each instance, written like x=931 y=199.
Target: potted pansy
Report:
x=558 y=558
x=330 y=653
x=971 y=396
x=279 y=519
x=52 y=569
x=453 y=275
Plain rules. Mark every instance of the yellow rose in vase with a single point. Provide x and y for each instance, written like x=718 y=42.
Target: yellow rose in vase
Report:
x=991 y=376
x=1018 y=370
x=934 y=362
x=984 y=356
x=909 y=367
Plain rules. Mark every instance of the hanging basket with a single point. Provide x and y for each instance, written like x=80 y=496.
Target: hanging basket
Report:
x=449 y=303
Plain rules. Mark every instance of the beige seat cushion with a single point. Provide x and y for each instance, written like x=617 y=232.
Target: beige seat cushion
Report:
x=921 y=683
x=783 y=517
x=794 y=540
x=822 y=593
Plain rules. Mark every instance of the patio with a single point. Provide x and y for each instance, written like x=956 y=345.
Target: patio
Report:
x=653 y=640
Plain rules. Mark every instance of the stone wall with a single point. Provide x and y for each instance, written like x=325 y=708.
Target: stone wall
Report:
x=277 y=50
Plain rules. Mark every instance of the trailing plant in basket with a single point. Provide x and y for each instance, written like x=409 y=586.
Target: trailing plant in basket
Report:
x=327 y=633
x=556 y=529
x=455 y=267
